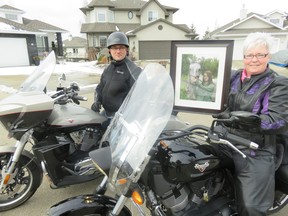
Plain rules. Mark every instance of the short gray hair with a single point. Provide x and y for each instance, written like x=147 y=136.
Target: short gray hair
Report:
x=258 y=39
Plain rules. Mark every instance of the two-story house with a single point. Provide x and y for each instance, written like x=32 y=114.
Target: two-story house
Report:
x=22 y=40
x=148 y=25
x=275 y=23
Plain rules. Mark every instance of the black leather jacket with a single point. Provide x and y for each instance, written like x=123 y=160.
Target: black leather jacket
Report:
x=265 y=94
x=115 y=83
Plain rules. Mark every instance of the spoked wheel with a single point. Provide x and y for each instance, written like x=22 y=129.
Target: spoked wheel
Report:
x=24 y=184
x=281 y=200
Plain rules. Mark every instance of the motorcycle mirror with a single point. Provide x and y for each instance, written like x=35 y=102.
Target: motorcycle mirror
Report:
x=75 y=86
x=61 y=78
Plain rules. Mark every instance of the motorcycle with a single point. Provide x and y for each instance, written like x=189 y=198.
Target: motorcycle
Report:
x=59 y=130
x=155 y=160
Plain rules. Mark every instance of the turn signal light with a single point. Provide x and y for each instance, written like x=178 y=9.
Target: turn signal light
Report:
x=138 y=197
x=122 y=181
x=6 y=180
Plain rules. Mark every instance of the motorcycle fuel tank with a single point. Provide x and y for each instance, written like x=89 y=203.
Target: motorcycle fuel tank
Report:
x=186 y=162
x=25 y=109
x=70 y=114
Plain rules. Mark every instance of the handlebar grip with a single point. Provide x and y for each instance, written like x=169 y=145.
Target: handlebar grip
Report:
x=80 y=98
x=241 y=141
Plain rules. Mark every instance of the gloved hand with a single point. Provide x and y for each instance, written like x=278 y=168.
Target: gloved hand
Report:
x=222 y=115
x=96 y=106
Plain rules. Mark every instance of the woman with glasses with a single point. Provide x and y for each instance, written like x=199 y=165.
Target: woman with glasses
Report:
x=117 y=79
x=260 y=90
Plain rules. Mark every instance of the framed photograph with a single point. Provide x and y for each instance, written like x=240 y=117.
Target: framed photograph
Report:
x=200 y=71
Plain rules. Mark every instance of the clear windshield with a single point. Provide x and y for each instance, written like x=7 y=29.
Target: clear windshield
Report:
x=37 y=80
x=139 y=122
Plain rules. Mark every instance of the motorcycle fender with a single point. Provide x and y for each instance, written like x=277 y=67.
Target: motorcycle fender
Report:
x=12 y=149
x=86 y=205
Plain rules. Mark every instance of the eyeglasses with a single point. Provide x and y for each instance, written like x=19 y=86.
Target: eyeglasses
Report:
x=258 y=56
x=118 y=48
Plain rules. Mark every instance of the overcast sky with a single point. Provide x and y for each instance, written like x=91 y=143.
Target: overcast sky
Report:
x=202 y=14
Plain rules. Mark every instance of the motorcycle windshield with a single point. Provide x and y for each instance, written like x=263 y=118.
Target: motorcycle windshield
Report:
x=39 y=78
x=138 y=123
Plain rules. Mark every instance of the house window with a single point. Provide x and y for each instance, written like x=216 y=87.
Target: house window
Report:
x=94 y=40
x=103 y=41
x=275 y=21
x=11 y=16
x=75 y=50
x=130 y=14
x=101 y=16
x=111 y=16
x=152 y=15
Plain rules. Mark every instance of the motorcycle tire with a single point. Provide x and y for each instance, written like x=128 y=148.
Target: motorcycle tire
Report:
x=26 y=181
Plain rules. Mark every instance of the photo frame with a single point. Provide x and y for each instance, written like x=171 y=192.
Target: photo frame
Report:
x=200 y=71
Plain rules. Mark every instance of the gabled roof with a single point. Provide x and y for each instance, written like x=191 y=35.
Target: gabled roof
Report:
x=275 y=11
x=18 y=28
x=99 y=3
x=8 y=7
x=107 y=27
x=229 y=28
x=128 y=4
x=250 y=18
x=135 y=5
x=75 y=42
x=181 y=27
x=114 y=5
x=42 y=26
x=28 y=25
x=149 y=2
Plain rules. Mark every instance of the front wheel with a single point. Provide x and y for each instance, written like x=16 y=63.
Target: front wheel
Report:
x=23 y=185
x=86 y=205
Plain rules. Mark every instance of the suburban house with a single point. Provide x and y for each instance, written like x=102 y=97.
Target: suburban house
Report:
x=75 y=49
x=24 y=41
x=148 y=25
x=275 y=23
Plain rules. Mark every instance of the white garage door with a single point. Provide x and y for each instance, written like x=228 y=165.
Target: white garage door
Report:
x=13 y=52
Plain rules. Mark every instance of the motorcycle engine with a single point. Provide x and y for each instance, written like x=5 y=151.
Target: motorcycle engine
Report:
x=86 y=139
x=174 y=196
x=184 y=175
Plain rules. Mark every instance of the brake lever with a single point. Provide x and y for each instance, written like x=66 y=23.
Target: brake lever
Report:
x=215 y=137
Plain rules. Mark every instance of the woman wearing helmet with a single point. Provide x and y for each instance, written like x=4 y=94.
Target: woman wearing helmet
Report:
x=118 y=78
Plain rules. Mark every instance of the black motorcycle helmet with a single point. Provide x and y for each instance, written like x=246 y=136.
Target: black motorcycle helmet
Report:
x=116 y=38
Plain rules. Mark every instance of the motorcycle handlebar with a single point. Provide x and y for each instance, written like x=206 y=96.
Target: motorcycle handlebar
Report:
x=65 y=94
x=79 y=98
x=217 y=133
x=223 y=133
x=241 y=141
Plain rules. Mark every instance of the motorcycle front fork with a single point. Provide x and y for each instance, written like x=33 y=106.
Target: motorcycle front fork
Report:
x=9 y=172
x=120 y=205
x=101 y=189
